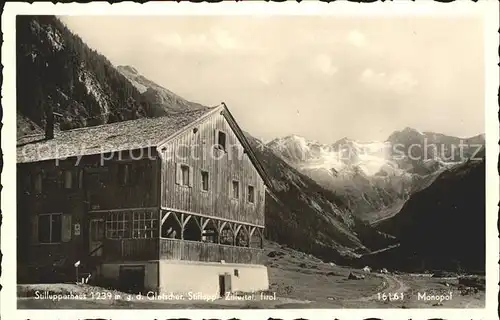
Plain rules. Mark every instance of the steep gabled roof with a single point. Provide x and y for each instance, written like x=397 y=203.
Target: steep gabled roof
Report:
x=119 y=136
x=246 y=145
x=125 y=135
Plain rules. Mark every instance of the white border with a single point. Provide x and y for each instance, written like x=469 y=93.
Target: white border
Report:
x=486 y=9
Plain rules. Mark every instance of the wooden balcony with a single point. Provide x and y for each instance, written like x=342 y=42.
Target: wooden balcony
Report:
x=175 y=249
x=130 y=249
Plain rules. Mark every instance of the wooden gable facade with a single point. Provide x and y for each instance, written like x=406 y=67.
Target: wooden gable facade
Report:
x=222 y=180
x=196 y=193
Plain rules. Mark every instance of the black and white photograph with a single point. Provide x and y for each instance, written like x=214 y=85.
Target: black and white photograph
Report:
x=251 y=161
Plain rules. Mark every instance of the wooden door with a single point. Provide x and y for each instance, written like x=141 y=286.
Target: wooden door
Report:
x=96 y=236
x=227 y=282
x=224 y=284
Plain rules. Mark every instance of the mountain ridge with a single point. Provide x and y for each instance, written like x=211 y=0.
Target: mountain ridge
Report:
x=376 y=176
x=161 y=98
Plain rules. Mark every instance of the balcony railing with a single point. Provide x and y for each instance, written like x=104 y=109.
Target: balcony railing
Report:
x=175 y=249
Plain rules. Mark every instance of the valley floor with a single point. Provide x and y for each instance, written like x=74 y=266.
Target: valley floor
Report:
x=300 y=281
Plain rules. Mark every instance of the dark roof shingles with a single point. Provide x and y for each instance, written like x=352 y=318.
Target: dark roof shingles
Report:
x=126 y=135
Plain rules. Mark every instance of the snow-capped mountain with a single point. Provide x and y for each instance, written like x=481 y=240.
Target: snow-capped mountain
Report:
x=376 y=177
x=344 y=157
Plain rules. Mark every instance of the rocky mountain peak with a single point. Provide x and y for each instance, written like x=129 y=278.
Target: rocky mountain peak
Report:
x=406 y=134
x=128 y=69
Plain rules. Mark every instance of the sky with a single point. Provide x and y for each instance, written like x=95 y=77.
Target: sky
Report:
x=323 y=77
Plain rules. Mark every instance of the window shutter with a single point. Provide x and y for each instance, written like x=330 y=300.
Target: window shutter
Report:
x=68 y=179
x=216 y=138
x=80 y=178
x=34 y=229
x=191 y=176
x=66 y=228
x=178 y=173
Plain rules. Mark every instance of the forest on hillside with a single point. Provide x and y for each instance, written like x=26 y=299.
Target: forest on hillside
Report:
x=58 y=72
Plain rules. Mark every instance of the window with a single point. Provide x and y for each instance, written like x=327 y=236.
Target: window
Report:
x=184 y=175
x=50 y=228
x=204 y=180
x=251 y=194
x=96 y=230
x=116 y=225
x=236 y=189
x=124 y=174
x=221 y=140
x=144 y=225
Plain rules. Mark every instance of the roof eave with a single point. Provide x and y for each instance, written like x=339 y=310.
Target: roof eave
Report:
x=246 y=145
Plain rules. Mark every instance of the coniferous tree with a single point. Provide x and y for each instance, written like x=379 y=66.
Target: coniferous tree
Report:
x=69 y=76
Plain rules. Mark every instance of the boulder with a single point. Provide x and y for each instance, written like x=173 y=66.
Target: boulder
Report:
x=473 y=282
x=353 y=276
x=273 y=254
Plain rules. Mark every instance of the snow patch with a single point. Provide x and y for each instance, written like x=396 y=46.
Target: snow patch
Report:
x=310 y=155
x=316 y=206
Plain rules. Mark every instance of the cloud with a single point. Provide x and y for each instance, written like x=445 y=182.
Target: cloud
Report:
x=398 y=81
x=223 y=39
x=371 y=77
x=184 y=42
x=323 y=63
x=214 y=39
x=403 y=80
x=356 y=38
x=265 y=75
